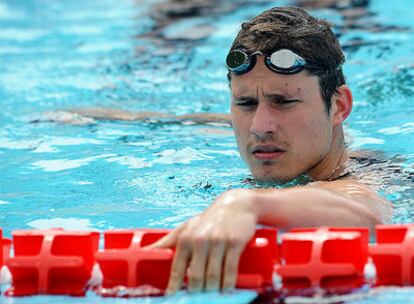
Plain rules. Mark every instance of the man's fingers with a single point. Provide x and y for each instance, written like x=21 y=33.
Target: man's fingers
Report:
x=231 y=265
x=197 y=267
x=178 y=269
x=168 y=241
x=214 y=266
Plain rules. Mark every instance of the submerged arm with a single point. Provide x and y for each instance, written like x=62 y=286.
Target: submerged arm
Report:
x=113 y=114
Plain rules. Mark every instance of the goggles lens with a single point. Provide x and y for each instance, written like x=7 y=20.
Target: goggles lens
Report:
x=239 y=62
x=281 y=61
x=286 y=59
x=236 y=59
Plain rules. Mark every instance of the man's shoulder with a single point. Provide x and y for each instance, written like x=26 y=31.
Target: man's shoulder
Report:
x=367 y=156
x=347 y=184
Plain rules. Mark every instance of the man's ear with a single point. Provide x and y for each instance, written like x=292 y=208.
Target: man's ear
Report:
x=341 y=104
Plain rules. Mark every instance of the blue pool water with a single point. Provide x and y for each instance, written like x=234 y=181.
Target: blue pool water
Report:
x=109 y=174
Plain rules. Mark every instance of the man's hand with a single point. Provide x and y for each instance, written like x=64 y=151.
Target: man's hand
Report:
x=211 y=243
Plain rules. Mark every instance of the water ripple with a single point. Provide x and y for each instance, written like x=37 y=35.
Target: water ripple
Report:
x=56 y=165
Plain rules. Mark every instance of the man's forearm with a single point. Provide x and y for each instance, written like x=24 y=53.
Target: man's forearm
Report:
x=310 y=207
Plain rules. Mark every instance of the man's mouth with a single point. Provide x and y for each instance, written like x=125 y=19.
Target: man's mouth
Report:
x=267 y=152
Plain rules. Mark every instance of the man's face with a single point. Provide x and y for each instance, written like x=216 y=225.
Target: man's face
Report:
x=280 y=123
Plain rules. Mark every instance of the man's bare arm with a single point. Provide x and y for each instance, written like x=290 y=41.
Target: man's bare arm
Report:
x=334 y=203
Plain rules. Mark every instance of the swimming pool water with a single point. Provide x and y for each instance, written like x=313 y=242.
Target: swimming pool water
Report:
x=108 y=174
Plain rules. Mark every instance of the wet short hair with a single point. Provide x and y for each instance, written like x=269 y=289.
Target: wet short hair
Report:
x=294 y=29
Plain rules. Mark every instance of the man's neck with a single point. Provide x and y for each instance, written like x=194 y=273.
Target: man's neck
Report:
x=332 y=165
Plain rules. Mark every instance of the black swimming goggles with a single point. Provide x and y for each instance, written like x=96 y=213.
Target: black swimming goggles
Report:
x=282 y=61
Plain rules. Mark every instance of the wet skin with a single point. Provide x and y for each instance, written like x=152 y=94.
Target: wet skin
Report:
x=280 y=123
x=282 y=131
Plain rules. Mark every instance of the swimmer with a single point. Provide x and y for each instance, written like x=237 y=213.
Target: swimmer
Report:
x=289 y=101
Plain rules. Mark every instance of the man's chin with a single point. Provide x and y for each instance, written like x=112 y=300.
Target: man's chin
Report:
x=272 y=178
x=273 y=172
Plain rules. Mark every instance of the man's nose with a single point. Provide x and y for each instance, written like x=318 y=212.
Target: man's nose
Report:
x=264 y=122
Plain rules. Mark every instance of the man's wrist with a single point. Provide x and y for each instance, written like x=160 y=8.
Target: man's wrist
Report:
x=267 y=205
x=253 y=200
x=247 y=199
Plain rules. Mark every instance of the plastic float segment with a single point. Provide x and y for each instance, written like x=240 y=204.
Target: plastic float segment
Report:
x=257 y=261
x=51 y=261
x=1 y=248
x=393 y=254
x=125 y=263
x=5 y=245
x=329 y=258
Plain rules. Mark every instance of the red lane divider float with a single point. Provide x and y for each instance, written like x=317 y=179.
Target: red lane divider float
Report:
x=124 y=262
x=393 y=255
x=329 y=258
x=56 y=261
x=257 y=261
x=5 y=245
x=51 y=261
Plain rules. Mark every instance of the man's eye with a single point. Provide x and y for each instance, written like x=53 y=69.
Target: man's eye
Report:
x=286 y=101
x=247 y=103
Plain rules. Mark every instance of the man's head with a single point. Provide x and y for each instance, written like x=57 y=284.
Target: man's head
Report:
x=294 y=29
x=288 y=124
